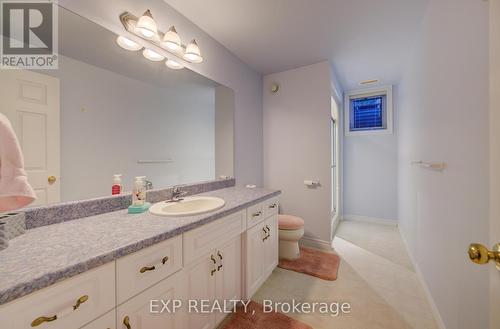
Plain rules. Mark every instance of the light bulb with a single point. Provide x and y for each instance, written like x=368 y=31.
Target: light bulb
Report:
x=128 y=44
x=174 y=64
x=146 y=25
x=152 y=55
x=192 y=53
x=171 y=40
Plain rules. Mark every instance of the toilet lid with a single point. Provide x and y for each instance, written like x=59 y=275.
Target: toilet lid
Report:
x=289 y=222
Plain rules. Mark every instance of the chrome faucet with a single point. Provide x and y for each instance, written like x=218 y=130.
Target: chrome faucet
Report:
x=148 y=185
x=177 y=194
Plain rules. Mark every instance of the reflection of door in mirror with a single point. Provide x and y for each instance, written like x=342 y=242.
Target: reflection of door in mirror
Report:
x=31 y=102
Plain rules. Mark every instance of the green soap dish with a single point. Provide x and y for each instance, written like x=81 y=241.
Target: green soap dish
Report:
x=139 y=209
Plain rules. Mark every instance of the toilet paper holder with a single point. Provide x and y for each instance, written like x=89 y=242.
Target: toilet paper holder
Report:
x=311 y=183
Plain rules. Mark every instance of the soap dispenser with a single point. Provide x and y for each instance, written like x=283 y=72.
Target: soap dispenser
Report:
x=139 y=204
x=138 y=193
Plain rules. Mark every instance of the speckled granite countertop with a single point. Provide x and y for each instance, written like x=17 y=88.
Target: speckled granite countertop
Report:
x=49 y=254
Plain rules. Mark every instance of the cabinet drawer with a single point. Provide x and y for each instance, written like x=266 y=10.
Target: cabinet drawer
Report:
x=204 y=239
x=141 y=270
x=145 y=311
x=255 y=214
x=95 y=289
x=271 y=207
x=107 y=321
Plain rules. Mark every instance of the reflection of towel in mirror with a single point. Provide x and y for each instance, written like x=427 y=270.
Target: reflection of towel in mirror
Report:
x=15 y=191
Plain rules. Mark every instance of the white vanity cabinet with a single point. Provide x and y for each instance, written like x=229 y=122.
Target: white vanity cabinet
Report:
x=208 y=266
x=216 y=275
x=261 y=253
x=68 y=304
x=107 y=321
x=147 y=311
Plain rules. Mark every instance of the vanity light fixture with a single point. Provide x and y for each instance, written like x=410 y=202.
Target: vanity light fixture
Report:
x=193 y=53
x=152 y=55
x=146 y=25
x=146 y=28
x=128 y=44
x=171 y=40
x=173 y=64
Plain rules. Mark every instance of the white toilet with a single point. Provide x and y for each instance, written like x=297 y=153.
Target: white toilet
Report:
x=291 y=230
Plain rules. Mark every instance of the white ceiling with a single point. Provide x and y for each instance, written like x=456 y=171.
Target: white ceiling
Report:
x=363 y=39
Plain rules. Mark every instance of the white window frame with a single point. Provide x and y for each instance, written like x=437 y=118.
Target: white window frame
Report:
x=377 y=91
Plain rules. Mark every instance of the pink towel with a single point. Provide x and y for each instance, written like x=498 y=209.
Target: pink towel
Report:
x=15 y=191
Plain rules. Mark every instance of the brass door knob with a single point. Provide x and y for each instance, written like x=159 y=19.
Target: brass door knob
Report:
x=52 y=179
x=479 y=254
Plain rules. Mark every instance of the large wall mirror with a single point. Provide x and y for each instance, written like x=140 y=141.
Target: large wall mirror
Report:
x=108 y=111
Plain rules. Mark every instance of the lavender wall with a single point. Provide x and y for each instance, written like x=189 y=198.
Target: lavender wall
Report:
x=443 y=116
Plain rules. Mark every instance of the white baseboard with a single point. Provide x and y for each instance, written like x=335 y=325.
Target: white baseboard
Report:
x=427 y=292
x=366 y=219
x=315 y=243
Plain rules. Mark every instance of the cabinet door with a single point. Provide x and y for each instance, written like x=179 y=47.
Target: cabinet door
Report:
x=200 y=278
x=228 y=278
x=254 y=251
x=107 y=321
x=144 y=311
x=271 y=246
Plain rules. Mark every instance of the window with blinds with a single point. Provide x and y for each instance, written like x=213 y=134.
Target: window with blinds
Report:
x=368 y=113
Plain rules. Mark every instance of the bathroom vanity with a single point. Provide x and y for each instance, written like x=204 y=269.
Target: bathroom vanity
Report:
x=103 y=271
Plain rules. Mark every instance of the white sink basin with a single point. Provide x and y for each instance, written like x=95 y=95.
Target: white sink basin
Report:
x=187 y=207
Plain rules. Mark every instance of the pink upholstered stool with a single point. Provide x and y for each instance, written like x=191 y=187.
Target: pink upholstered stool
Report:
x=291 y=229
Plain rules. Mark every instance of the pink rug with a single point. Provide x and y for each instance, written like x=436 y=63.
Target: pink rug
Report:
x=313 y=262
x=255 y=318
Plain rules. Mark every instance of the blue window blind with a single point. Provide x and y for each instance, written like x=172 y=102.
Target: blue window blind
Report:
x=367 y=113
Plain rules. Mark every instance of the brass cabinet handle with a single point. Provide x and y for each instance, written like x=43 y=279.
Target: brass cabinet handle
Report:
x=147 y=268
x=126 y=322
x=215 y=263
x=38 y=321
x=220 y=257
x=273 y=206
x=257 y=214
x=42 y=319
x=164 y=260
x=268 y=229
x=80 y=301
x=479 y=254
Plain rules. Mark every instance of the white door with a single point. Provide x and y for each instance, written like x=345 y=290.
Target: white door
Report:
x=31 y=102
x=200 y=276
x=136 y=313
x=228 y=279
x=254 y=249
x=271 y=245
x=494 y=156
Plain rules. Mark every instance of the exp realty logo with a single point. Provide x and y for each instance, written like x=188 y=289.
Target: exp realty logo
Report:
x=29 y=34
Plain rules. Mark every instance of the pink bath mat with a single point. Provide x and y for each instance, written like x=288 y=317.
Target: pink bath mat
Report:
x=255 y=318
x=313 y=262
